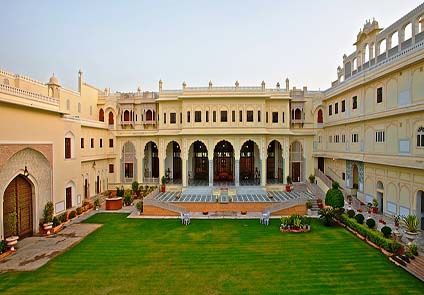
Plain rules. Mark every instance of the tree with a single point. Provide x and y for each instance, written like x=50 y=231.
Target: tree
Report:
x=334 y=196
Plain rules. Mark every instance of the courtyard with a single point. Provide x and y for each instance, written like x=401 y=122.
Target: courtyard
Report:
x=160 y=256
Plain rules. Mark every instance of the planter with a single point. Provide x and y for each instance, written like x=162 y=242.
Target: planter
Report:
x=162 y=188
x=243 y=212
x=288 y=188
x=302 y=230
x=47 y=227
x=11 y=242
x=113 y=203
x=205 y=212
x=411 y=236
x=375 y=210
x=309 y=212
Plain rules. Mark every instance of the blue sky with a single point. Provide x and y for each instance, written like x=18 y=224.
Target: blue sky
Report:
x=125 y=44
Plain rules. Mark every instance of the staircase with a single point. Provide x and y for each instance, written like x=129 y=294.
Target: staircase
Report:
x=287 y=204
x=416 y=266
x=151 y=201
x=315 y=208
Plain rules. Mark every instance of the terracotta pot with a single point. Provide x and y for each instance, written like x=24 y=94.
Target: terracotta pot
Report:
x=288 y=188
x=375 y=210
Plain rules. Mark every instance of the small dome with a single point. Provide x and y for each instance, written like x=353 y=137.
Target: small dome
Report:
x=53 y=80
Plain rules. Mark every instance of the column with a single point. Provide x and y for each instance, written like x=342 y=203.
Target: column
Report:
x=263 y=170
x=210 y=172
x=140 y=176
x=286 y=169
x=184 y=172
x=161 y=168
x=237 y=172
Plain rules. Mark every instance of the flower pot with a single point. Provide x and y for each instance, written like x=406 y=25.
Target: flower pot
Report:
x=411 y=236
x=375 y=210
x=11 y=242
x=288 y=188
x=162 y=188
x=47 y=227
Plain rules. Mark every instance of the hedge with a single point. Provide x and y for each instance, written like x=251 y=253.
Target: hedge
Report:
x=372 y=235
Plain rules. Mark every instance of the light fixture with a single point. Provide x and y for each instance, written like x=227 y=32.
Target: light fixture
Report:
x=26 y=173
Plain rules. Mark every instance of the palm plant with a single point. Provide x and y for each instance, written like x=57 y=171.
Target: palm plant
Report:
x=327 y=215
x=411 y=223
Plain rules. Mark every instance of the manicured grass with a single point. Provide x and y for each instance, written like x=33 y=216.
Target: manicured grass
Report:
x=135 y=256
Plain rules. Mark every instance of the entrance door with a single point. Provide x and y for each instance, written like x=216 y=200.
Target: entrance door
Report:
x=85 y=188
x=177 y=166
x=68 y=197
x=155 y=167
x=296 y=171
x=18 y=199
x=321 y=164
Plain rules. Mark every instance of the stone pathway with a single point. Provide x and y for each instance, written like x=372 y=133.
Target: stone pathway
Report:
x=34 y=252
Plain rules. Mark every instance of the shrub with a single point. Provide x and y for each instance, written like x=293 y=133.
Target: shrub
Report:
x=351 y=213
x=120 y=191
x=97 y=203
x=411 y=223
x=48 y=212
x=409 y=255
x=79 y=211
x=372 y=235
x=135 y=187
x=128 y=197
x=334 y=196
x=359 y=218
x=414 y=249
x=387 y=231
x=311 y=178
x=308 y=204
x=56 y=221
x=139 y=206
x=327 y=215
x=3 y=247
x=72 y=214
x=63 y=217
x=370 y=223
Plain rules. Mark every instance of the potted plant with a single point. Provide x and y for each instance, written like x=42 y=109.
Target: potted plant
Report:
x=97 y=203
x=311 y=178
x=128 y=197
x=163 y=180
x=309 y=206
x=374 y=206
x=288 y=185
x=369 y=207
x=48 y=217
x=11 y=222
x=410 y=223
x=139 y=206
x=136 y=188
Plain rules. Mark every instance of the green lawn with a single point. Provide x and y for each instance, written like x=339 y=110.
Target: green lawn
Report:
x=136 y=256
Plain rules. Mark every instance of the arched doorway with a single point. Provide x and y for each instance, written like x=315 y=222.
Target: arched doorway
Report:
x=296 y=162
x=151 y=162
x=17 y=200
x=128 y=164
x=380 y=196
x=111 y=119
x=319 y=117
x=101 y=115
x=173 y=163
x=274 y=163
x=250 y=165
x=420 y=208
x=198 y=164
x=223 y=163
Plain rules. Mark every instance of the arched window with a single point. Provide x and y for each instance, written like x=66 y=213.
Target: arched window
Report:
x=297 y=114
x=366 y=53
x=101 y=115
x=407 y=31
x=395 y=39
x=420 y=137
x=111 y=120
x=126 y=116
x=149 y=115
x=382 y=46
x=319 y=117
x=69 y=145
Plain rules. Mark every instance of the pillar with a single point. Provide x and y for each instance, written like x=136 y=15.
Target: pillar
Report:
x=140 y=176
x=210 y=172
x=161 y=168
x=286 y=168
x=184 y=171
x=263 y=170
x=237 y=172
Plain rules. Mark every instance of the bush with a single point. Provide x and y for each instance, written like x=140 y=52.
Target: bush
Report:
x=48 y=212
x=409 y=255
x=56 y=221
x=359 y=218
x=3 y=247
x=387 y=231
x=327 y=215
x=351 y=213
x=334 y=196
x=120 y=191
x=128 y=197
x=79 y=210
x=414 y=249
x=72 y=214
x=372 y=235
x=370 y=223
x=63 y=217
x=139 y=206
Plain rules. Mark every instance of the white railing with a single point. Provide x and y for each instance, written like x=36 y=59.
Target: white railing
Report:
x=29 y=95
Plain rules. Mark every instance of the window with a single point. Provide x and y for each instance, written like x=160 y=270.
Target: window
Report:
x=266 y=117
x=283 y=117
x=67 y=147
x=164 y=118
x=379 y=95
x=319 y=139
x=82 y=143
x=111 y=118
x=197 y=116
x=101 y=115
x=319 y=117
x=92 y=142
x=241 y=116
x=420 y=137
x=111 y=168
x=223 y=116
x=259 y=116
x=354 y=102
x=214 y=116
x=207 y=116
x=233 y=116
x=343 y=176
x=330 y=139
x=330 y=110
x=111 y=142
x=181 y=118
x=336 y=108
x=379 y=136
x=336 y=138
x=172 y=118
x=274 y=117
x=355 y=137
x=249 y=117
x=128 y=170
x=343 y=138
x=101 y=142
x=343 y=106
x=188 y=117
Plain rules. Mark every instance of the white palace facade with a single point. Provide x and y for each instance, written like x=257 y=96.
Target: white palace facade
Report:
x=366 y=132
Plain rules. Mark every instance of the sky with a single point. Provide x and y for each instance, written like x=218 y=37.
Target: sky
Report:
x=125 y=44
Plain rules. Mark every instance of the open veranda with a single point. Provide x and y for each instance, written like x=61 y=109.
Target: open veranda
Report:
x=160 y=256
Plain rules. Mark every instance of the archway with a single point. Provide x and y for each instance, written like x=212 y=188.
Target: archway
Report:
x=223 y=163
x=274 y=163
x=320 y=119
x=151 y=162
x=111 y=119
x=101 y=115
x=173 y=163
x=128 y=163
x=420 y=208
x=296 y=162
x=18 y=200
x=380 y=196
x=198 y=164
x=250 y=165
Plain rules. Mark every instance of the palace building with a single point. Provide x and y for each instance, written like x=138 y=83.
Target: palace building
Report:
x=366 y=132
